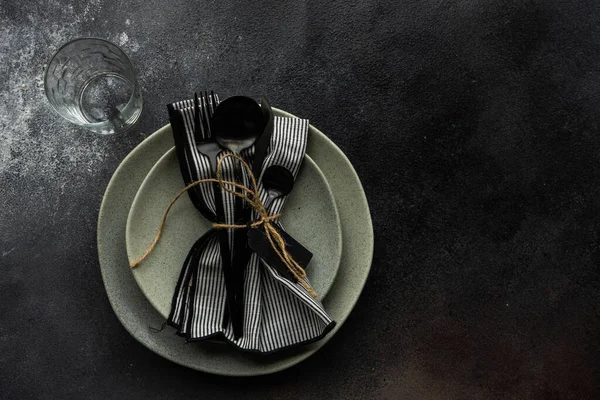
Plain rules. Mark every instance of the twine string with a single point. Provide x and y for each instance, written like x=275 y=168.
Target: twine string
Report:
x=251 y=196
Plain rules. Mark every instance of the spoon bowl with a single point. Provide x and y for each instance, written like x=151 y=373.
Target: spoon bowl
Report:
x=278 y=181
x=237 y=122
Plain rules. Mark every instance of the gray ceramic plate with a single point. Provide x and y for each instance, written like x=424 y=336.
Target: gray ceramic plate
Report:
x=310 y=216
x=137 y=314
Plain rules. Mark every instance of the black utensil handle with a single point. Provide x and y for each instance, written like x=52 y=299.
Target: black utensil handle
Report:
x=228 y=271
x=239 y=243
x=226 y=261
x=241 y=259
x=262 y=144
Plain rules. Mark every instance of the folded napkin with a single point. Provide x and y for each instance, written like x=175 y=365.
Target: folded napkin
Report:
x=278 y=312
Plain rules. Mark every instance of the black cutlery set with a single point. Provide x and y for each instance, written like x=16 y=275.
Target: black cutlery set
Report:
x=204 y=131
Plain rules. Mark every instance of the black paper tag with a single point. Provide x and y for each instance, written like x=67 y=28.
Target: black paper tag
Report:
x=259 y=243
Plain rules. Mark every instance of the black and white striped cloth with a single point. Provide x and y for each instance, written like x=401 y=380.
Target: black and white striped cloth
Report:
x=278 y=313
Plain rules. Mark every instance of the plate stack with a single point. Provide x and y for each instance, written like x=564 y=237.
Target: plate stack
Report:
x=327 y=212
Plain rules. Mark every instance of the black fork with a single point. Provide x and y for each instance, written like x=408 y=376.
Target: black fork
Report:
x=204 y=110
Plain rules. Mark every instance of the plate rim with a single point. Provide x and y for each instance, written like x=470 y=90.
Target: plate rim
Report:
x=282 y=365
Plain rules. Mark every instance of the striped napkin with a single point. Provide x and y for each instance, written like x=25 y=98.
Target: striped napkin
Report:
x=278 y=313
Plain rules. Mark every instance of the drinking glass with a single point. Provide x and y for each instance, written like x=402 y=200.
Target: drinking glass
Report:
x=91 y=82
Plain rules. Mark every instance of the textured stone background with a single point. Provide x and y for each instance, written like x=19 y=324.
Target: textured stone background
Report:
x=474 y=128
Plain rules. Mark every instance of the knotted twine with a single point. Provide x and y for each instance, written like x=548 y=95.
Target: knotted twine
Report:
x=253 y=199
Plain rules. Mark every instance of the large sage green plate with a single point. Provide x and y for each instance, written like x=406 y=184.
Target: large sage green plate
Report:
x=310 y=216
x=137 y=314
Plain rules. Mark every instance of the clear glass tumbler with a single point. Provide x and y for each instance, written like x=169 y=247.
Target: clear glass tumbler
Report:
x=91 y=82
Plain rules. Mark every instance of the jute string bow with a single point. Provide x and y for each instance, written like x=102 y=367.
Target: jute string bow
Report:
x=253 y=199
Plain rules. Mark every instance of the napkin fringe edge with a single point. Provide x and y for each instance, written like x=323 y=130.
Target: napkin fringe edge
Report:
x=221 y=335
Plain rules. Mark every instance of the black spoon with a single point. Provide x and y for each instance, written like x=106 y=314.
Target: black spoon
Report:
x=236 y=124
x=278 y=181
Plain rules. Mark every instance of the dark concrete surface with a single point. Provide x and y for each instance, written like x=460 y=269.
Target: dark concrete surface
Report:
x=472 y=124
